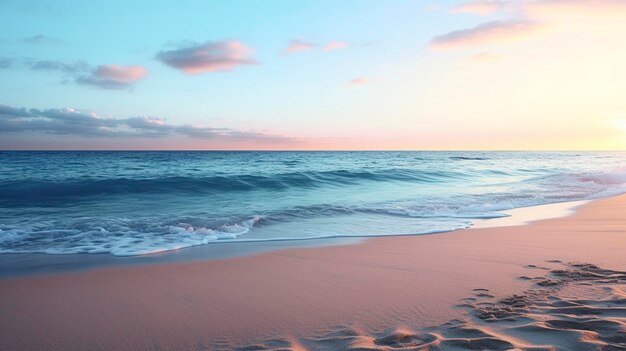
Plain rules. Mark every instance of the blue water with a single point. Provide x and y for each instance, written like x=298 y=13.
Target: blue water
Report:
x=133 y=203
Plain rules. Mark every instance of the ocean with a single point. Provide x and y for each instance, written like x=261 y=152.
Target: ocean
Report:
x=127 y=203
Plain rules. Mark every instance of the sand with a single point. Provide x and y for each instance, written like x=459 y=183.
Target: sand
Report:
x=556 y=284
x=574 y=307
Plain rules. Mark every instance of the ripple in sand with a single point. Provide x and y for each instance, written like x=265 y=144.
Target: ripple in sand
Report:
x=544 y=317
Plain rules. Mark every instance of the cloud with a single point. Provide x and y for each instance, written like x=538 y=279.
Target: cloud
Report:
x=539 y=7
x=6 y=110
x=113 y=76
x=527 y=17
x=61 y=66
x=6 y=62
x=580 y=7
x=485 y=33
x=69 y=121
x=481 y=7
x=80 y=72
x=360 y=81
x=580 y=3
x=335 y=45
x=298 y=45
x=41 y=39
x=54 y=121
x=220 y=56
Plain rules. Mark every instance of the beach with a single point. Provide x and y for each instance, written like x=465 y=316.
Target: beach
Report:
x=376 y=294
x=313 y=175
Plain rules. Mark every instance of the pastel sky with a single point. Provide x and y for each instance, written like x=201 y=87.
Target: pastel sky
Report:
x=349 y=74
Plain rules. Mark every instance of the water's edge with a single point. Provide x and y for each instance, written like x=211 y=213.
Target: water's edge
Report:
x=27 y=264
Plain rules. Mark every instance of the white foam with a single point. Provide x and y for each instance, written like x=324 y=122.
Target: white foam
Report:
x=526 y=215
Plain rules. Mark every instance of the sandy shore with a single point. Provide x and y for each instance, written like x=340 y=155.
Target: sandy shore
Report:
x=490 y=288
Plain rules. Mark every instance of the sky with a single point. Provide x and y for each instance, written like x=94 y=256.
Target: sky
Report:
x=313 y=75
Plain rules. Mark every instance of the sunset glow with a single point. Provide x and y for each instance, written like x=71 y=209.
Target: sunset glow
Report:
x=313 y=175
x=478 y=74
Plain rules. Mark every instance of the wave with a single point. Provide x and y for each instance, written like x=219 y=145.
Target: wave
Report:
x=463 y=158
x=612 y=178
x=129 y=236
x=126 y=237
x=588 y=184
x=36 y=189
x=119 y=237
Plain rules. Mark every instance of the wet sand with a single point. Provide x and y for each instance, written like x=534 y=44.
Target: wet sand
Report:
x=493 y=288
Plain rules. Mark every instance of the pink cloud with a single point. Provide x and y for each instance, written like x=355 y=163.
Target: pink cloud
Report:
x=335 y=45
x=485 y=33
x=526 y=7
x=577 y=5
x=113 y=76
x=360 y=81
x=528 y=17
x=298 y=45
x=585 y=3
x=127 y=74
x=221 y=56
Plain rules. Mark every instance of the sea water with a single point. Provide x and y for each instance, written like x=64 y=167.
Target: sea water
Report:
x=136 y=202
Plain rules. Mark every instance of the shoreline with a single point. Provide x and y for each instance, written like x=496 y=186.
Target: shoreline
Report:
x=378 y=284
x=29 y=264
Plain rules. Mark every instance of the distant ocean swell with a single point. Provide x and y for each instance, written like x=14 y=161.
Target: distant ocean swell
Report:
x=30 y=189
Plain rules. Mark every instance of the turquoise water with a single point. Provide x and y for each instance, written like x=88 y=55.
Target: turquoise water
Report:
x=133 y=203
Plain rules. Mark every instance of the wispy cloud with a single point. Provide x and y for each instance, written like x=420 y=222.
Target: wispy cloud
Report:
x=487 y=7
x=68 y=121
x=583 y=3
x=60 y=66
x=360 y=81
x=220 y=56
x=485 y=33
x=80 y=72
x=6 y=62
x=527 y=16
x=335 y=45
x=543 y=7
x=42 y=39
x=113 y=76
x=298 y=45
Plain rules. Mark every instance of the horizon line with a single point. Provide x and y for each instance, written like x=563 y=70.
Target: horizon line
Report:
x=312 y=150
